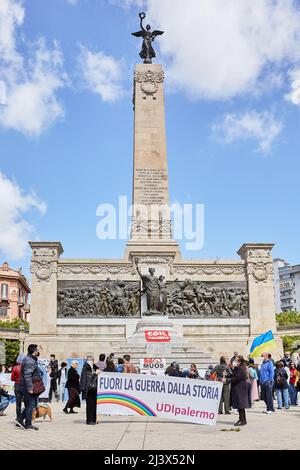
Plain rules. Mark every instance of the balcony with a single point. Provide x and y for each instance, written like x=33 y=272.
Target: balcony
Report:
x=287 y=296
x=286 y=286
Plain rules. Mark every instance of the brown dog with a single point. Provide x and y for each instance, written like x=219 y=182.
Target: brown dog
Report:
x=42 y=412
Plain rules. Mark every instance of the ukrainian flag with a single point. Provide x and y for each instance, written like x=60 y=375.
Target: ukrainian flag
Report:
x=262 y=343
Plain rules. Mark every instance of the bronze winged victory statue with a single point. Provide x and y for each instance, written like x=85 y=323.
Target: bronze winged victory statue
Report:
x=147 y=53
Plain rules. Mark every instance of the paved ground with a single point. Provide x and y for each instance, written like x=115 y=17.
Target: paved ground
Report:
x=278 y=431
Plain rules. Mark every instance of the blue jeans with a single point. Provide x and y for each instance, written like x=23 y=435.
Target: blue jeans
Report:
x=267 y=395
x=282 y=396
x=30 y=402
x=4 y=404
x=293 y=394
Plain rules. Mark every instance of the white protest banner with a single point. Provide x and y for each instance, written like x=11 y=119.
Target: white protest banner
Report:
x=196 y=401
x=154 y=365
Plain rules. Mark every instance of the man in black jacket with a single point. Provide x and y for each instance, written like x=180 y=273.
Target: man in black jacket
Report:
x=54 y=371
x=29 y=371
x=88 y=387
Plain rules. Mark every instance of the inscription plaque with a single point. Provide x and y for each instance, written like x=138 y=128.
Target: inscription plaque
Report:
x=151 y=186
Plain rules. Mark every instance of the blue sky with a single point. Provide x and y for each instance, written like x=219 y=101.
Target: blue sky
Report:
x=232 y=113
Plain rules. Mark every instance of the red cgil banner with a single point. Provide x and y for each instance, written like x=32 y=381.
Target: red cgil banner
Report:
x=157 y=336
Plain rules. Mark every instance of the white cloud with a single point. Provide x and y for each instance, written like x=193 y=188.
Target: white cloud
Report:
x=32 y=83
x=102 y=74
x=262 y=127
x=218 y=49
x=11 y=16
x=294 y=95
x=2 y=93
x=15 y=229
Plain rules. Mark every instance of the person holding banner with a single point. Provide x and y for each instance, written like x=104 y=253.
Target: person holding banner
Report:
x=239 y=389
x=222 y=370
x=88 y=387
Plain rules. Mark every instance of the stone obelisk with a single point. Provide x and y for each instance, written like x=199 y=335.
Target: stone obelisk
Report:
x=151 y=223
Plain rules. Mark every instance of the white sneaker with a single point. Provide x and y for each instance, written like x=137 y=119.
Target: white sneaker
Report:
x=268 y=412
x=21 y=425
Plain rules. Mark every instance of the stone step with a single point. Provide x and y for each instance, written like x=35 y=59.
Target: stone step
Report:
x=178 y=352
x=188 y=349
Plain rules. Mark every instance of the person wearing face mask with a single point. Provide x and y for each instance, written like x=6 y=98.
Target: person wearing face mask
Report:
x=267 y=382
x=88 y=387
x=239 y=389
x=31 y=386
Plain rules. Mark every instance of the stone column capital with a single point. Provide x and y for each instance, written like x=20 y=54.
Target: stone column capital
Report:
x=46 y=250
x=44 y=260
x=256 y=252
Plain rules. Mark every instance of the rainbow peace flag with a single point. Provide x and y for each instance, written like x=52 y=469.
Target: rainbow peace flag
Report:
x=113 y=398
x=262 y=343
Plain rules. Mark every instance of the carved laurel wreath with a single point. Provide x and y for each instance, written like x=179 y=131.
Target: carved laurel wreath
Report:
x=260 y=272
x=149 y=81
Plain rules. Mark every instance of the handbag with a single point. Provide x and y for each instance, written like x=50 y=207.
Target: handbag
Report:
x=38 y=385
x=94 y=383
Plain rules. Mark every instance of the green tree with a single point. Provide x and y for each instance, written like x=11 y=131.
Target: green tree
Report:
x=291 y=343
x=288 y=318
x=14 y=324
x=12 y=349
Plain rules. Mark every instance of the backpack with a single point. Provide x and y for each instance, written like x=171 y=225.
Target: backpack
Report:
x=93 y=383
x=280 y=379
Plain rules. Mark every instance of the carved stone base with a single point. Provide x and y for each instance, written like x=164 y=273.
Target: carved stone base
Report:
x=156 y=324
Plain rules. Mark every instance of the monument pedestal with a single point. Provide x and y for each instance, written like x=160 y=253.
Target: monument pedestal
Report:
x=159 y=337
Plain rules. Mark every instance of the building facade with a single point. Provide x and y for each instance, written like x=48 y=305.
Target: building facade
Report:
x=14 y=291
x=286 y=286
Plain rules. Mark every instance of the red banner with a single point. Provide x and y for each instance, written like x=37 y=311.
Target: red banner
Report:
x=157 y=336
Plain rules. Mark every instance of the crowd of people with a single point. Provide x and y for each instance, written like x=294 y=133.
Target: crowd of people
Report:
x=36 y=385
x=244 y=382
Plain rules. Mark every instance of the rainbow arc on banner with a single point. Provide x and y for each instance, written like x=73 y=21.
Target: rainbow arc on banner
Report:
x=262 y=343
x=128 y=401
